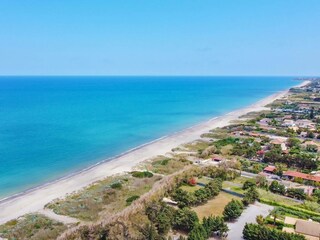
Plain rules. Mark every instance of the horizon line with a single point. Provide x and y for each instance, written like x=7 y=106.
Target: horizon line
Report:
x=142 y=75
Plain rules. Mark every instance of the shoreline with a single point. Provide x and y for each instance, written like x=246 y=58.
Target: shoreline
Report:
x=34 y=199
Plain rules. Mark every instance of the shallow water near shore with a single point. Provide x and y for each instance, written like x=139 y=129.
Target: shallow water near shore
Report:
x=53 y=126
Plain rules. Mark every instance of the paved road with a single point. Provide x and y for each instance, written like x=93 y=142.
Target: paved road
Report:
x=248 y=216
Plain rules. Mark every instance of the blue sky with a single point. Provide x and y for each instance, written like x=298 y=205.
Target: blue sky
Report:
x=160 y=37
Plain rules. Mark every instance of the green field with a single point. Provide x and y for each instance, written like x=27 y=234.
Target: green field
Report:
x=214 y=206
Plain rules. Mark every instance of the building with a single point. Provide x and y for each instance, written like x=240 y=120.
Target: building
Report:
x=288 y=123
x=269 y=169
x=265 y=121
x=292 y=175
x=309 y=229
x=305 y=123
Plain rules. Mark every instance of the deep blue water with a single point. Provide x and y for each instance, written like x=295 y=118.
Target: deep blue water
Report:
x=52 y=126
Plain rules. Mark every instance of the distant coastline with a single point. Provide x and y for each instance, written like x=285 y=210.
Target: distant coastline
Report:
x=34 y=199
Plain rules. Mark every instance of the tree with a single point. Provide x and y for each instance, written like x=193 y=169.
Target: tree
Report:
x=312 y=148
x=223 y=230
x=183 y=198
x=296 y=193
x=280 y=168
x=250 y=196
x=293 y=142
x=316 y=194
x=276 y=187
x=232 y=210
x=161 y=216
x=185 y=219
x=261 y=181
x=310 y=134
x=260 y=219
x=256 y=168
x=214 y=224
x=201 y=195
x=149 y=232
x=311 y=116
x=275 y=213
x=248 y=184
x=198 y=233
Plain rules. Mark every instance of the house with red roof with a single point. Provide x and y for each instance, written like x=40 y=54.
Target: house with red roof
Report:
x=269 y=169
x=292 y=175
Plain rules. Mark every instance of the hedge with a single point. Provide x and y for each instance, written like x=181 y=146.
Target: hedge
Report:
x=255 y=231
x=277 y=204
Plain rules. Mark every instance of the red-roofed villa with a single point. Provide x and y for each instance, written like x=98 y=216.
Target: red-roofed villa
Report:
x=269 y=169
x=291 y=175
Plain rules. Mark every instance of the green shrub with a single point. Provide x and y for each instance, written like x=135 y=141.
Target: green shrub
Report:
x=185 y=219
x=250 y=196
x=233 y=210
x=116 y=185
x=131 y=199
x=161 y=215
x=144 y=174
x=198 y=233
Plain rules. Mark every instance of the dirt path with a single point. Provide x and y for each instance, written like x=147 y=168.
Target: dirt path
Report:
x=60 y=218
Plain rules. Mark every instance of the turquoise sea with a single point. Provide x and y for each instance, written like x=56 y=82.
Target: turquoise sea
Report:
x=53 y=126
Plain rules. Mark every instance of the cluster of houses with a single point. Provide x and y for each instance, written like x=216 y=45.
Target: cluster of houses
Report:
x=294 y=176
x=289 y=122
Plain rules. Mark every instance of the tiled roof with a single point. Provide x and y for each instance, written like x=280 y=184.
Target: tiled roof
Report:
x=269 y=168
x=302 y=175
x=308 y=228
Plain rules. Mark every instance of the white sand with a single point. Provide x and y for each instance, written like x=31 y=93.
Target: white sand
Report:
x=34 y=200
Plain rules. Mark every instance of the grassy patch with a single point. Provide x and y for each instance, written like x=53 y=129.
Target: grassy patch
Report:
x=233 y=187
x=204 y=180
x=276 y=198
x=33 y=227
x=101 y=197
x=190 y=188
x=240 y=180
x=226 y=150
x=196 y=145
x=214 y=206
x=167 y=166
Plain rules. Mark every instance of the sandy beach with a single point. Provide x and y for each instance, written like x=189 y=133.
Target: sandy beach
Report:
x=35 y=199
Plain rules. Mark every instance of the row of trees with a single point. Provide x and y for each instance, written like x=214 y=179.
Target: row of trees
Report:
x=211 y=225
x=163 y=218
x=279 y=188
x=200 y=196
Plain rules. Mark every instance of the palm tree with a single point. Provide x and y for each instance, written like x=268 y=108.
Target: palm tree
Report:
x=260 y=219
x=275 y=215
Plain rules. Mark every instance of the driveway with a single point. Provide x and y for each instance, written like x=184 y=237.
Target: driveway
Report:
x=248 y=216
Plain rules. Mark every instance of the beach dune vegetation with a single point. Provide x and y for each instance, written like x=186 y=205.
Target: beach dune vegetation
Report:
x=144 y=174
x=33 y=227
